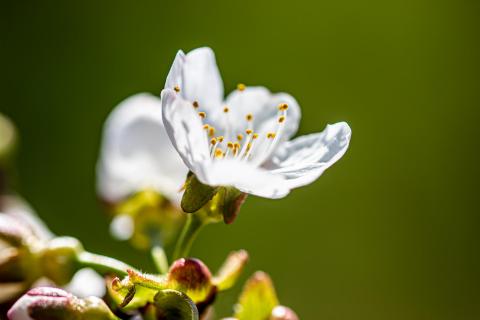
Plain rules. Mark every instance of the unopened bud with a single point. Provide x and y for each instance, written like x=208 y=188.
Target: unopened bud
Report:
x=55 y=304
x=192 y=277
x=59 y=259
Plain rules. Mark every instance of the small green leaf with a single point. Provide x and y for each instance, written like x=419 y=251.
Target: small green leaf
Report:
x=173 y=304
x=258 y=298
x=196 y=194
x=231 y=270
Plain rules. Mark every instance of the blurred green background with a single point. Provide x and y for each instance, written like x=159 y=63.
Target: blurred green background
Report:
x=390 y=232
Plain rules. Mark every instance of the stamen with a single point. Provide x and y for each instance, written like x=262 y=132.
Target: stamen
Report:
x=282 y=106
x=211 y=131
x=281 y=119
x=271 y=135
x=177 y=89
x=206 y=127
x=202 y=115
x=220 y=139
x=213 y=141
x=226 y=109
x=241 y=87
x=239 y=137
x=230 y=145
x=219 y=153
x=236 y=147
x=248 y=131
x=255 y=136
x=249 y=117
x=195 y=104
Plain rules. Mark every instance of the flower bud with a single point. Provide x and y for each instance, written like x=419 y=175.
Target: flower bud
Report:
x=192 y=277
x=172 y=304
x=55 y=304
x=59 y=259
x=283 y=313
x=18 y=267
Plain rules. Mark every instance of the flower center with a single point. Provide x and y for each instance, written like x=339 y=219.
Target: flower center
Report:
x=242 y=145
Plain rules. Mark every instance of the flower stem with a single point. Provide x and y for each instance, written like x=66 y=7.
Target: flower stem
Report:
x=160 y=259
x=192 y=227
x=103 y=264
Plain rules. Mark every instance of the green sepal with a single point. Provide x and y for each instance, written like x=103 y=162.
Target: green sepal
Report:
x=231 y=203
x=258 y=298
x=196 y=194
x=231 y=270
x=173 y=304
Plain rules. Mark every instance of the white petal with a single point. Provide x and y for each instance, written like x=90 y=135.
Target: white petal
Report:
x=198 y=77
x=175 y=75
x=185 y=129
x=136 y=152
x=19 y=210
x=85 y=283
x=302 y=160
x=245 y=177
x=122 y=227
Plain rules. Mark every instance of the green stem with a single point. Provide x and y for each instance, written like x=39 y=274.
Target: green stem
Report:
x=103 y=264
x=192 y=227
x=160 y=259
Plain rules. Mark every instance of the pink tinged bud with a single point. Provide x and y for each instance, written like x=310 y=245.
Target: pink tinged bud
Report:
x=54 y=304
x=283 y=313
x=192 y=277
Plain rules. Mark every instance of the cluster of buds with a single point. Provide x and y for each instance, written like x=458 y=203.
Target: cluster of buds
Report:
x=188 y=285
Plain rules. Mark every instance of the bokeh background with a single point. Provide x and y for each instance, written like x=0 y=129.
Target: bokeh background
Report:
x=390 y=232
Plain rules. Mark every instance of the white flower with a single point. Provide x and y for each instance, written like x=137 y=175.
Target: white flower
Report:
x=243 y=141
x=137 y=154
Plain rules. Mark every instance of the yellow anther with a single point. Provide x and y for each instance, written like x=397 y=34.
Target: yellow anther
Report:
x=249 y=117
x=230 y=145
x=248 y=131
x=220 y=139
x=176 y=88
x=236 y=145
x=213 y=141
x=206 y=126
x=218 y=153
x=239 y=137
x=226 y=109
x=241 y=87
x=202 y=115
x=271 y=135
x=282 y=106
x=281 y=119
x=255 y=136
x=211 y=131
x=195 y=104
x=249 y=146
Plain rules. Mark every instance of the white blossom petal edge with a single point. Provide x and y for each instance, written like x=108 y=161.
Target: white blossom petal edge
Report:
x=243 y=141
x=136 y=152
